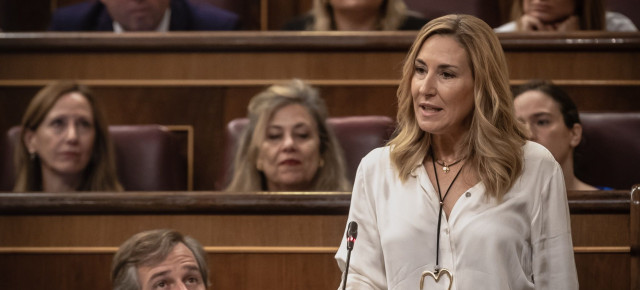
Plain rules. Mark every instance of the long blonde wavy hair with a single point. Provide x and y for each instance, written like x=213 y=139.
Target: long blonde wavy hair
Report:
x=495 y=138
x=246 y=177
x=392 y=15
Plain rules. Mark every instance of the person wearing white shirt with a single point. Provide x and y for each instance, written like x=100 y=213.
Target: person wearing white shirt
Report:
x=564 y=15
x=459 y=194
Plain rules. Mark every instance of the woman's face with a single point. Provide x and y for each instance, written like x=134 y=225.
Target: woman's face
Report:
x=549 y=11
x=542 y=116
x=442 y=87
x=289 y=156
x=356 y=4
x=64 y=140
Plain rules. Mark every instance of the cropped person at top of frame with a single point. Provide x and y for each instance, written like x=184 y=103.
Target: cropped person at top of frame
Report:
x=142 y=15
x=361 y=15
x=64 y=143
x=287 y=145
x=564 y=15
x=459 y=199
x=553 y=121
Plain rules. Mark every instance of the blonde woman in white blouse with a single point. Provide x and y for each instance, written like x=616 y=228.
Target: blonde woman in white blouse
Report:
x=459 y=193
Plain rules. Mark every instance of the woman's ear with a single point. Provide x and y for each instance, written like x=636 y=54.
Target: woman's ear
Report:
x=29 y=141
x=576 y=135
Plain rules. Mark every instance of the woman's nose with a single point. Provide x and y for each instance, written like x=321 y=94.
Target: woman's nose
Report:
x=531 y=133
x=72 y=132
x=288 y=143
x=427 y=87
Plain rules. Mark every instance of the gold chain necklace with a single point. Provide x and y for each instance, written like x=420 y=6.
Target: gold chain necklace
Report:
x=445 y=167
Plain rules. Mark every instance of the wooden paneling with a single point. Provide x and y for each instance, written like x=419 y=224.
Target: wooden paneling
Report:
x=263 y=240
x=634 y=234
x=207 y=79
x=227 y=271
x=603 y=271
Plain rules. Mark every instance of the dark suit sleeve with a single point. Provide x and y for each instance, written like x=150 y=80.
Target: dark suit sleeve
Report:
x=79 y=17
x=204 y=17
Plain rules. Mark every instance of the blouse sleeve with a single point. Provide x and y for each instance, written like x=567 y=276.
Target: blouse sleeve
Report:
x=366 y=268
x=553 y=262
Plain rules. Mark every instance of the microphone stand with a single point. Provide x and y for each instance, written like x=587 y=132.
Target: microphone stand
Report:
x=346 y=272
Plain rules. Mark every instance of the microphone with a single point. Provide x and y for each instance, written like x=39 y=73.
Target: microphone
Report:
x=352 y=234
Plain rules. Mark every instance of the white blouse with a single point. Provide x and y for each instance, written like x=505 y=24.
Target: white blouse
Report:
x=523 y=242
x=614 y=22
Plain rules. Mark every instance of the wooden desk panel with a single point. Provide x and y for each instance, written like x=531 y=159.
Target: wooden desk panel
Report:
x=265 y=241
x=308 y=55
x=573 y=65
x=265 y=271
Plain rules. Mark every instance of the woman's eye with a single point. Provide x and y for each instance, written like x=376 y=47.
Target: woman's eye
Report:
x=542 y=122
x=303 y=135
x=274 y=136
x=57 y=123
x=420 y=70
x=159 y=285
x=85 y=124
x=192 y=280
x=448 y=75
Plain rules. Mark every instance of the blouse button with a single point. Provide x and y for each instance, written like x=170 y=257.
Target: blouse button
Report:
x=446 y=231
x=468 y=194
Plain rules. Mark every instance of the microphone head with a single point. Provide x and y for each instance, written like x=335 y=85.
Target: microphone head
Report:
x=352 y=230
x=352 y=234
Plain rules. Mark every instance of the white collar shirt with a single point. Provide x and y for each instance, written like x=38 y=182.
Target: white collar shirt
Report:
x=162 y=27
x=523 y=242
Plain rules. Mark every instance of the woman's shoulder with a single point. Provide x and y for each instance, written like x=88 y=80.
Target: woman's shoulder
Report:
x=619 y=22
x=377 y=155
x=538 y=154
x=507 y=27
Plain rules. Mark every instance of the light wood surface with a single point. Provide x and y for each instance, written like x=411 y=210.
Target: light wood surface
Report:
x=253 y=240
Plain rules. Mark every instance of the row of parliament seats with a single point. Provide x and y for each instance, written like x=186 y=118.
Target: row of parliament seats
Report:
x=205 y=80
x=152 y=158
x=149 y=157
x=16 y=15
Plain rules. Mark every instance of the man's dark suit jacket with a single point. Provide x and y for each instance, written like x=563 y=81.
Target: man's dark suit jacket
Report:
x=93 y=16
